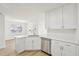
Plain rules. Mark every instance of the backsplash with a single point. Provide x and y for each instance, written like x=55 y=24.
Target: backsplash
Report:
x=61 y=30
x=63 y=34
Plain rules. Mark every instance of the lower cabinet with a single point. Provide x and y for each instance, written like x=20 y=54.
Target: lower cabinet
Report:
x=69 y=50
x=64 y=49
x=56 y=48
x=28 y=44
x=77 y=50
x=33 y=43
x=20 y=44
x=36 y=43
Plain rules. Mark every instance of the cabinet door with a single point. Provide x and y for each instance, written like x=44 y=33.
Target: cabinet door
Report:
x=55 y=48
x=77 y=50
x=69 y=16
x=69 y=50
x=28 y=44
x=20 y=44
x=36 y=43
x=54 y=19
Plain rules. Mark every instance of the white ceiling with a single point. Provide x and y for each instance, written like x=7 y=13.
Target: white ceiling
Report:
x=23 y=10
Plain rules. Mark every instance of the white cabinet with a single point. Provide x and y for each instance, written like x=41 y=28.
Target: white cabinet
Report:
x=28 y=44
x=77 y=50
x=36 y=43
x=64 y=49
x=56 y=48
x=64 y=17
x=54 y=19
x=33 y=43
x=69 y=16
x=20 y=44
x=69 y=50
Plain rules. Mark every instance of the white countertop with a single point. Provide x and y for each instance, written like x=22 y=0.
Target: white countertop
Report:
x=20 y=36
x=25 y=36
x=53 y=37
x=59 y=39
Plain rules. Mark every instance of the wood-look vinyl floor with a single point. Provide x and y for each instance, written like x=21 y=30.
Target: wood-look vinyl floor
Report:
x=33 y=53
x=10 y=50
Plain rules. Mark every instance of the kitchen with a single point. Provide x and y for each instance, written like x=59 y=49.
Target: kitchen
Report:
x=52 y=28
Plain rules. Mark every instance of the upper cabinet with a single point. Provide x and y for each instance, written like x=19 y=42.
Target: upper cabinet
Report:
x=54 y=19
x=69 y=16
x=62 y=17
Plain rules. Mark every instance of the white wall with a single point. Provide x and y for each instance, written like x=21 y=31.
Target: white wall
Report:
x=38 y=20
x=77 y=31
x=77 y=36
x=2 y=33
x=41 y=25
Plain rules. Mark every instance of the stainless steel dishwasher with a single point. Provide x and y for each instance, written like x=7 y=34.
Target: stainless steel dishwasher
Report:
x=46 y=45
